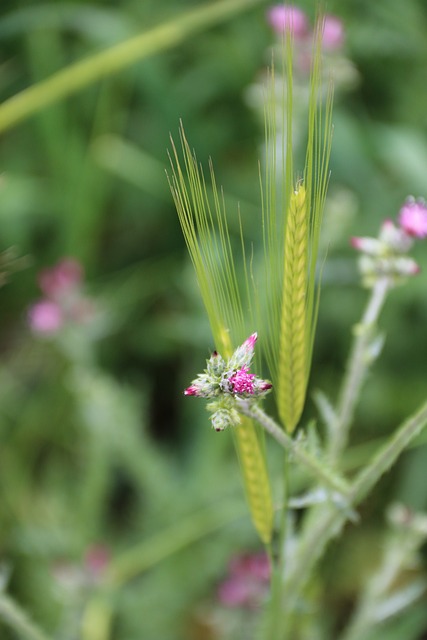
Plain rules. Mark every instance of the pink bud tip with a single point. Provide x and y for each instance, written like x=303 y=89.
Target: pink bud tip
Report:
x=266 y=386
x=356 y=242
x=191 y=391
x=250 y=342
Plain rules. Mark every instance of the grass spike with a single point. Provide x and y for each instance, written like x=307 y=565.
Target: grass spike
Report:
x=292 y=218
x=292 y=372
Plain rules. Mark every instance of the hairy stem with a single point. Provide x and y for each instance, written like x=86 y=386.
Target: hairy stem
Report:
x=357 y=367
x=316 y=467
x=329 y=520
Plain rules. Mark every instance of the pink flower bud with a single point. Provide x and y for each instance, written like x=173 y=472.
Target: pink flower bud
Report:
x=413 y=218
x=45 y=317
x=192 y=390
x=284 y=18
x=250 y=342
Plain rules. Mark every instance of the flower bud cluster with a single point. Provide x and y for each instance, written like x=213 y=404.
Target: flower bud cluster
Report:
x=224 y=381
x=385 y=256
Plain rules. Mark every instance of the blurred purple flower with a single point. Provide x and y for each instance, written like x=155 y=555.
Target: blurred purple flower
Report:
x=45 y=317
x=63 y=302
x=413 y=218
x=286 y=17
x=332 y=33
x=96 y=561
x=66 y=275
x=247 y=582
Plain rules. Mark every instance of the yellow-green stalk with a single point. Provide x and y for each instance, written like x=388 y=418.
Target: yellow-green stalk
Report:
x=203 y=220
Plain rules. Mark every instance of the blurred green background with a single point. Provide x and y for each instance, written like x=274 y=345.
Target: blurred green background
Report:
x=98 y=447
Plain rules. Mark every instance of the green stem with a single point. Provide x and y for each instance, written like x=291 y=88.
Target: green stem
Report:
x=357 y=368
x=330 y=521
x=13 y=616
x=315 y=466
x=274 y=613
x=81 y=74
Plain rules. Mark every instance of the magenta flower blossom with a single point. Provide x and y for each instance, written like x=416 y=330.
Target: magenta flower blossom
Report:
x=45 y=317
x=332 y=33
x=242 y=382
x=413 y=218
x=288 y=18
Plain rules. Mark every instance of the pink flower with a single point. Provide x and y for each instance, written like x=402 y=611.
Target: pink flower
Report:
x=413 y=218
x=64 y=276
x=45 y=317
x=247 y=582
x=242 y=381
x=286 y=17
x=333 y=33
x=96 y=561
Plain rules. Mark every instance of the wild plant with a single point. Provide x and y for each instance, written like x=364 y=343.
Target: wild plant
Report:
x=275 y=301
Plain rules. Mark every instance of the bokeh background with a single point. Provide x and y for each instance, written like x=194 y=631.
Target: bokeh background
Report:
x=105 y=468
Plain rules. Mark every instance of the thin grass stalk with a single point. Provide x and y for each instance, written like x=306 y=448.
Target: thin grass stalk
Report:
x=84 y=73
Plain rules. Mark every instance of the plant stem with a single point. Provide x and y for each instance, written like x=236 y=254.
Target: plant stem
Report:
x=316 y=467
x=15 y=618
x=357 y=367
x=83 y=73
x=329 y=520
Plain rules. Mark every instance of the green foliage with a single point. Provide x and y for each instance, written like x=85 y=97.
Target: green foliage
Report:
x=97 y=445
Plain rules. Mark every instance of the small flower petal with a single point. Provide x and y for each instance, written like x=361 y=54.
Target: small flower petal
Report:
x=413 y=218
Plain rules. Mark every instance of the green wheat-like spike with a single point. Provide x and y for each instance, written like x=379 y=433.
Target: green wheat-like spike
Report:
x=292 y=219
x=203 y=220
x=292 y=373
